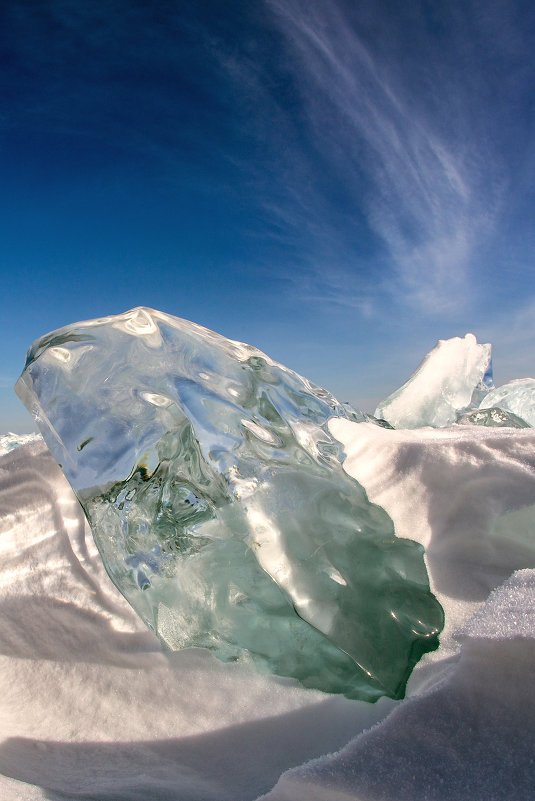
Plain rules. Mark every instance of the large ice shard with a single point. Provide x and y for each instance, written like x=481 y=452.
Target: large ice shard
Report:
x=517 y=397
x=219 y=504
x=452 y=378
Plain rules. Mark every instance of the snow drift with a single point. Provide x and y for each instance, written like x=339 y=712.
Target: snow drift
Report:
x=91 y=708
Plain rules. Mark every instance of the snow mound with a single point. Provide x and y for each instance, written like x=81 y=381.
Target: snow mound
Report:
x=469 y=737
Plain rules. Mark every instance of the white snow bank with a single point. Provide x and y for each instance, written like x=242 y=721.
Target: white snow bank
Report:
x=91 y=708
x=468 y=727
x=451 y=489
x=470 y=737
x=89 y=705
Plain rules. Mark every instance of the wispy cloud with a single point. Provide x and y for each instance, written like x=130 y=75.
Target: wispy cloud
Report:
x=371 y=138
x=404 y=117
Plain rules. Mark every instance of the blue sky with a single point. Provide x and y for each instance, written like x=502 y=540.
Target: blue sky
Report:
x=339 y=183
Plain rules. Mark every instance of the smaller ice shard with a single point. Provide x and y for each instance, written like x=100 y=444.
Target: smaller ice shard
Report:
x=219 y=504
x=492 y=418
x=453 y=377
x=517 y=397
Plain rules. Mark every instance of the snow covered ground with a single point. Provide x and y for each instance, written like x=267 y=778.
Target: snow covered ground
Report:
x=90 y=707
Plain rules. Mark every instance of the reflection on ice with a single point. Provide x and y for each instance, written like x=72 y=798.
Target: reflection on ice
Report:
x=218 y=501
x=516 y=397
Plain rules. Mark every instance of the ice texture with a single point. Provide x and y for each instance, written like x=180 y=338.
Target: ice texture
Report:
x=454 y=376
x=469 y=736
x=517 y=397
x=492 y=417
x=9 y=442
x=217 y=499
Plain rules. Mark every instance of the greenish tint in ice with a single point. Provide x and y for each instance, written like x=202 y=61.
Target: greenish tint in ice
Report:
x=517 y=397
x=492 y=418
x=217 y=499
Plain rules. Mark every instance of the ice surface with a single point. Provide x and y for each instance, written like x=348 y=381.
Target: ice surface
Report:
x=219 y=504
x=90 y=707
x=451 y=378
x=492 y=417
x=10 y=441
x=517 y=397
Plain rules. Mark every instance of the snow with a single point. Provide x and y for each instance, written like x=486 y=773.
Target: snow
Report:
x=450 y=489
x=90 y=707
x=469 y=737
